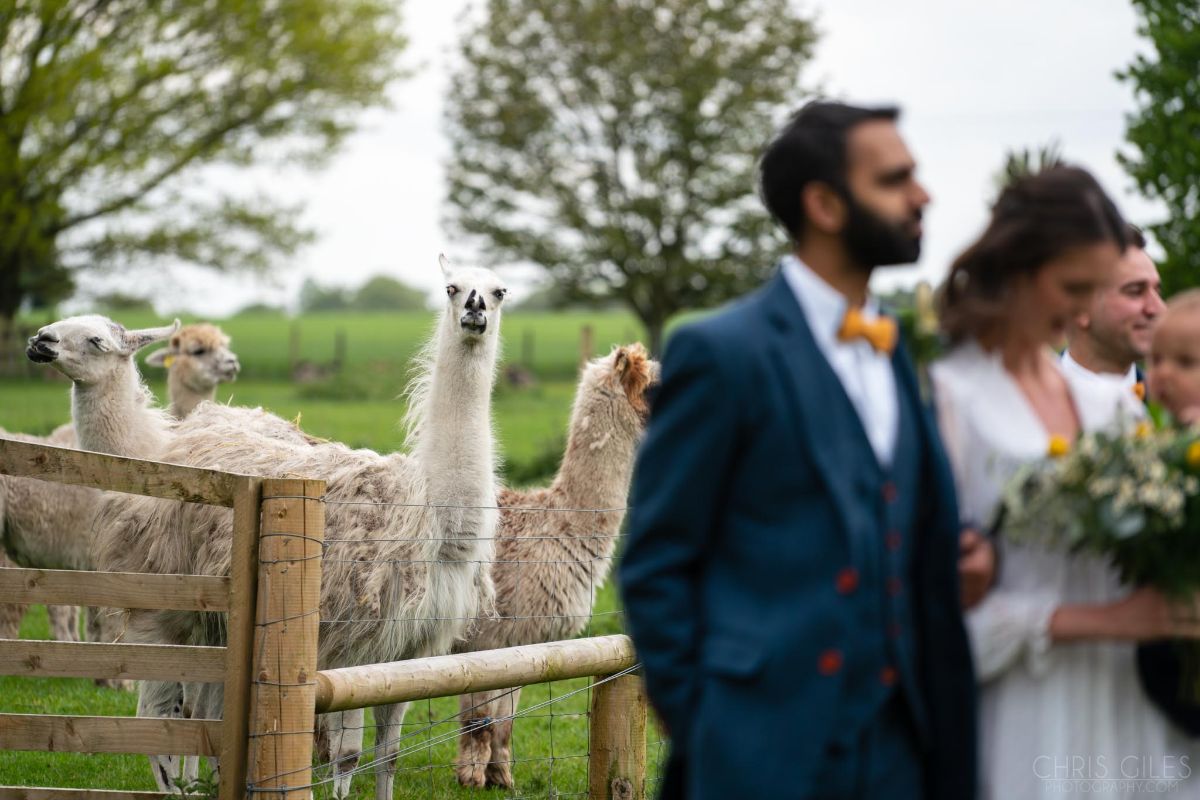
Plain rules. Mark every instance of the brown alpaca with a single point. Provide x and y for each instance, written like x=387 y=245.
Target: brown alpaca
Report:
x=549 y=563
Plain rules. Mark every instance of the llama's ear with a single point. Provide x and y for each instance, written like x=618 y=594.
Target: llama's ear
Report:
x=620 y=360
x=444 y=263
x=157 y=358
x=136 y=340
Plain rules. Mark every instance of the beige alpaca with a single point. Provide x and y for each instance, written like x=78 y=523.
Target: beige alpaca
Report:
x=48 y=526
x=549 y=563
x=406 y=533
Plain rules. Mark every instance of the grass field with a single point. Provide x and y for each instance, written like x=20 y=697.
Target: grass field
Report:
x=530 y=422
x=383 y=342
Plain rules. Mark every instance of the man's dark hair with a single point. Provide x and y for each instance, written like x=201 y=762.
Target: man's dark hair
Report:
x=1135 y=236
x=810 y=148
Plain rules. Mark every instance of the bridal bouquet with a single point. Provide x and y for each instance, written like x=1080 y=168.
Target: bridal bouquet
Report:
x=1131 y=496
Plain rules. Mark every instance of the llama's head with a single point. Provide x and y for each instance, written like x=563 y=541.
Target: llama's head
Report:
x=198 y=356
x=90 y=349
x=474 y=298
x=614 y=389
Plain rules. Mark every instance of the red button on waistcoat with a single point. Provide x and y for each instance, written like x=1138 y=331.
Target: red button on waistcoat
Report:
x=894 y=586
x=829 y=662
x=890 y=492
x=847 y=580
x=888 y=676
x=894 y=540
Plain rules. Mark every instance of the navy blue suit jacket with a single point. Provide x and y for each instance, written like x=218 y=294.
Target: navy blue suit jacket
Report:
x=737 y=529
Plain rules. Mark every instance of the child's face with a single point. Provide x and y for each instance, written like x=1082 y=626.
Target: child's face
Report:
x=1174 y=365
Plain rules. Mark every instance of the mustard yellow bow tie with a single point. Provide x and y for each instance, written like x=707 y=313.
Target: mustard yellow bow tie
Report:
x=881 y=332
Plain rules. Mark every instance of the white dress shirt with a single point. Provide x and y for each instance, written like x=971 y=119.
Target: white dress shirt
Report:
x=1075 y=369
x=865 y=373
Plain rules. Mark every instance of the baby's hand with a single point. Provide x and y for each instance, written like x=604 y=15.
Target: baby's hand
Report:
x=1189 y=415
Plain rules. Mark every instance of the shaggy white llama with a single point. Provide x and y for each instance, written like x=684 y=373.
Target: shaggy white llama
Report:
x=111 y=408
x=48 y=526
x=549 y=560
x=407 y=534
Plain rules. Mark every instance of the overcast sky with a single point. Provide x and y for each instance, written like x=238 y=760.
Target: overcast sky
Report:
x=974 y=79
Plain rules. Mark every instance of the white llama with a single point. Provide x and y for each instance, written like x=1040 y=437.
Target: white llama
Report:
x=111 y=408
x=48 y=526
x=550 y=560
x=407 y=534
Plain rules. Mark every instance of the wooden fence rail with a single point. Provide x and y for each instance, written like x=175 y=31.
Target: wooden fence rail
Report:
x=617 y=735
x=285 y=633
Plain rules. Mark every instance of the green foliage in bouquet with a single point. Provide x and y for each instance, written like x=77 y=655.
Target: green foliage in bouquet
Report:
x=1132 y=496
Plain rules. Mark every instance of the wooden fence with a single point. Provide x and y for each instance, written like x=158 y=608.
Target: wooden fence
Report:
x=617 y=730
x=270 y=689
x=269 y=666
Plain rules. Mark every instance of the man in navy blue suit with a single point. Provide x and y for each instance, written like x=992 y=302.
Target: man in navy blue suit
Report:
x=790 y=573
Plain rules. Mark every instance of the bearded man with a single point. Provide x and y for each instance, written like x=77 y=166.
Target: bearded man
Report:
x=790 y=576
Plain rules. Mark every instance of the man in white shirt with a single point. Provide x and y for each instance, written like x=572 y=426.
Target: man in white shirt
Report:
x=1107 y=343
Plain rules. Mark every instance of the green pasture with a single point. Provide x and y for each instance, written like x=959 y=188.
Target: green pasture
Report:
x=379 y=345
x=531 y=422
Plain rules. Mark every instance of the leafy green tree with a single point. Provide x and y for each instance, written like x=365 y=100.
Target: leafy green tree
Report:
x=614 y=143
x=384 y=293
x=315 y=297
x=1165 y=131
x=1026 y=161
x=109 y=107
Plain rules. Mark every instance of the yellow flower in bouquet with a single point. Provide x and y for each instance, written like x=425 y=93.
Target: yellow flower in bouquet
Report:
x=1193 y=455
x=1059 y=446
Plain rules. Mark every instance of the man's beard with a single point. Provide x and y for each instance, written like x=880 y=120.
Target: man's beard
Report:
x=873 y=241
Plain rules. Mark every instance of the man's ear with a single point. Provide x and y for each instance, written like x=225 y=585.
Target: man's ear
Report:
x=824 y=208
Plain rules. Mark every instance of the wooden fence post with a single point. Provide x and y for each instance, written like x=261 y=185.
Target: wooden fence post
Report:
x=586 y=346
x=239 y=656
x=617 y=746
x=284 y=693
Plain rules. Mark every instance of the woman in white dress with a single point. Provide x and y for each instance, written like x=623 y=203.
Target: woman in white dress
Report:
x=1061 y=709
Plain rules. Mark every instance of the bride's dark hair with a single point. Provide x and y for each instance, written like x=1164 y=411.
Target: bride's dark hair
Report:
x=1035 y=220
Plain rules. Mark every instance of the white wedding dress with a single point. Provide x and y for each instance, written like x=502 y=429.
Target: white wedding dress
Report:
x=1056 y=719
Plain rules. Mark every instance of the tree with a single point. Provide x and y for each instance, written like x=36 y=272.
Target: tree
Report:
x=384 y=293
x=108 y=107
x=1024 y=162
x=614 y=142
x=315 y=297
x=1165 y=131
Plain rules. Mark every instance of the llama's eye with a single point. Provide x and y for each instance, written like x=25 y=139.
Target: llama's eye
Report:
x=499 y=294
x=96 y=342
x=451 y=290
x=200 y=351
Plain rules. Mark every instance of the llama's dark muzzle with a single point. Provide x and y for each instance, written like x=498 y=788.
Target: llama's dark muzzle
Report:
x=40 y=351
x=473 y=322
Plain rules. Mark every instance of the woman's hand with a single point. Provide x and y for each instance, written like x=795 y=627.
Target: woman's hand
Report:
x=976 y=567
x=1144 y=615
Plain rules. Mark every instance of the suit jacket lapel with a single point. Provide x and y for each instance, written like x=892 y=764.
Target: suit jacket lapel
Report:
x=814 y=387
